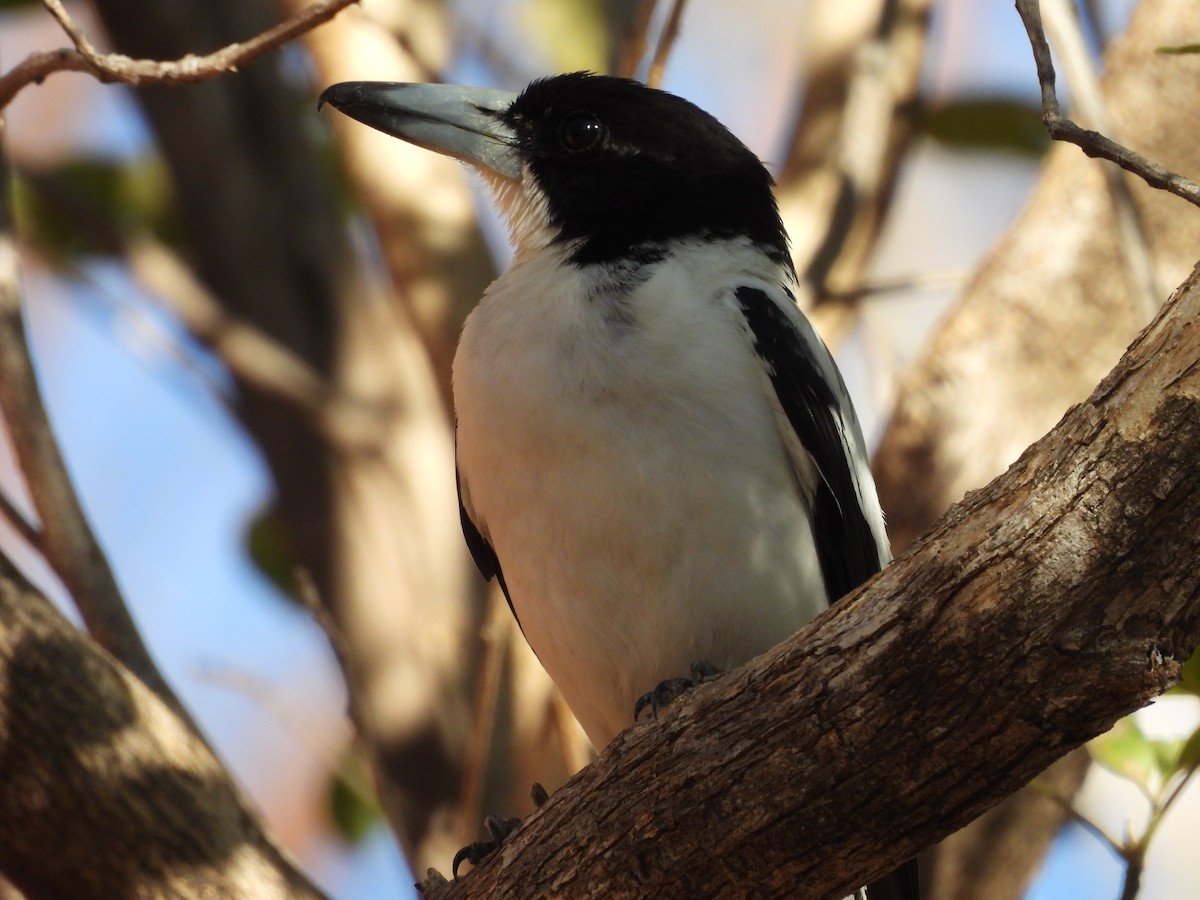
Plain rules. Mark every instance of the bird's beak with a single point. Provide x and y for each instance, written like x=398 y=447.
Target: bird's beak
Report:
x=461 y=122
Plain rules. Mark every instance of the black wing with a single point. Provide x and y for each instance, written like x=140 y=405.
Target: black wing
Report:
x=808 y=385
x=481 y=551
x=846 y=546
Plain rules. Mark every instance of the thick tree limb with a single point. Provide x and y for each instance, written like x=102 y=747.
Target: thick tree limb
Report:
x=106 y=791
x=1039 y=611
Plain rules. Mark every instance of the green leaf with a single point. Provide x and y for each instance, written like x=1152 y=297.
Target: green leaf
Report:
x=987 y=124
x=89 y=205
x=1125 y=751
x=1189 y=756
x=353 y=808
x=266 y=544
x=1166 y=756
x=1179 y=50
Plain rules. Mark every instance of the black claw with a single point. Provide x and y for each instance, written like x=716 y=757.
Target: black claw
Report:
x=472 y=853
x=475 y=853
x=538 y=795
x=668 y=691
x=642 y=702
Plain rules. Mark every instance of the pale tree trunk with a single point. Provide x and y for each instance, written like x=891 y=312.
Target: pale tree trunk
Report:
x=422 y=213
x=1052 y=306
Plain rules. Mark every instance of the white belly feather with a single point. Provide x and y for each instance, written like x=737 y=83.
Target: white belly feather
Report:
x=624 y=459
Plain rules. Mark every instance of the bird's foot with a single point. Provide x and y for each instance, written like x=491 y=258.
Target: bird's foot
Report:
x=499 y=829
x=475 y=853
x=668 y=691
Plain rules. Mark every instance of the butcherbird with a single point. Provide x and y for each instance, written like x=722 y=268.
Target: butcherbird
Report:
x=657 y=456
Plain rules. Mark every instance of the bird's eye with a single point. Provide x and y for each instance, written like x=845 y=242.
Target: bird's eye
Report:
x=580 y=132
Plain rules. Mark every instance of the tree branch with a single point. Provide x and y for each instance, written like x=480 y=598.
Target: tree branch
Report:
x=1038 y=612
x=666 y=41
x=65 y=537
x=635 y=40
x=1051 y=308
x=108 y=67
x=106 y=791
x=30 y=533
x=348 y=423
x=1092 y=143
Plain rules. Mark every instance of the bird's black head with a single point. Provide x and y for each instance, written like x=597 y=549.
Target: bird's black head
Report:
x=607 y=165
x=623 y=166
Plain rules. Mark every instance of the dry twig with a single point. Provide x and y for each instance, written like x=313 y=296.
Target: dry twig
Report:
x=1090 y=142
x=110 y=67
x=28 y=532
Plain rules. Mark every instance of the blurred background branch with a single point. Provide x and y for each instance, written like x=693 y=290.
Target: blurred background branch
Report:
x=855 y=122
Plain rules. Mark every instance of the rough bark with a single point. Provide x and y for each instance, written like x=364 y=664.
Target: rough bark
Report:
x=106 y=793
x=1040 y=610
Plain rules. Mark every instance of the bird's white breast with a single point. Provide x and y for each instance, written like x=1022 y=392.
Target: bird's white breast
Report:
x=621 y=451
